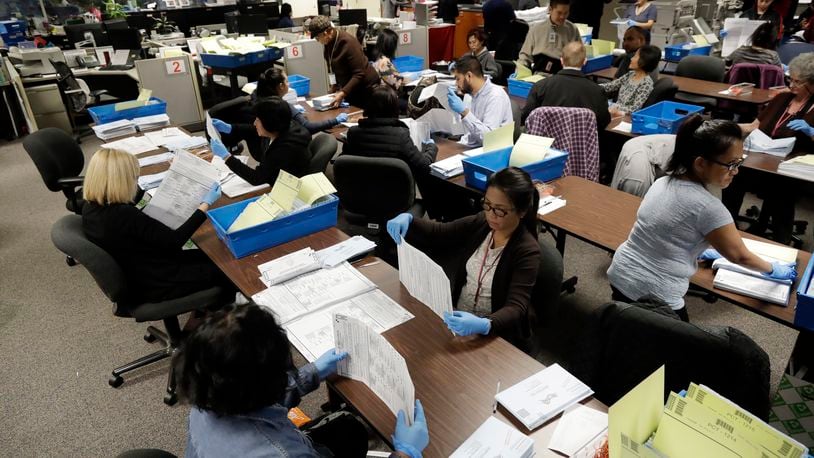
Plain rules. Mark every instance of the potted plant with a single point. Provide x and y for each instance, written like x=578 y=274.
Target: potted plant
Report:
x=164 y=26
x=113 y=10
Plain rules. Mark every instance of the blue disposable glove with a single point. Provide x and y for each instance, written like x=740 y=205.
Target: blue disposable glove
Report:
x=465 y=323
x=631 y=22
x=397 y=227
x=212 y=195
x=801 y=126
x=427 y=141
x=221 y=126
x=342 y=117
x=326 y=364
x=785 y=69
x=782 y=271
x=710 y=254
x=455 y=102
x=414 y=438
x=723 y=33
x=218 y=148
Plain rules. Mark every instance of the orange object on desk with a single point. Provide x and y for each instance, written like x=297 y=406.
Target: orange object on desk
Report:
x=298 y=417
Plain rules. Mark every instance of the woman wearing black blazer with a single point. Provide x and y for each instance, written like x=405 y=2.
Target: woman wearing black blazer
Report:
x=287 y=150
x=491 y=258
x=150 y=253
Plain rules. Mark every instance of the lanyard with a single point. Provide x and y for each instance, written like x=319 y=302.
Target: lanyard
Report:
x=330 y=61
x=481 y=273
x=786 y=116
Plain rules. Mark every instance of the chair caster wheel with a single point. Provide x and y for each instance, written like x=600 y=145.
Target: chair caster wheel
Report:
x=149 y=338
x=710 y=298
x=70 y=261
x=170 y=399
x=115 y=381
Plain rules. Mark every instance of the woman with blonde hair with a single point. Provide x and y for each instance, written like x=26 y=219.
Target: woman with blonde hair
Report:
x=150 y=253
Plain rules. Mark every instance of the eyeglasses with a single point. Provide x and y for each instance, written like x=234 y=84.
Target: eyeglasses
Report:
x=796 y=82
x=730 y=166
x=497 y=211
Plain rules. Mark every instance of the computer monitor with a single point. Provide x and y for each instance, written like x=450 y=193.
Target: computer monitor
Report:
x=254 y=24
x=124 y=38
x=356 y=16
x=77 y=33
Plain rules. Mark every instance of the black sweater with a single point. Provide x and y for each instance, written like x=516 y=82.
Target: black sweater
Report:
x=568 y=88
x=287 y=152
x=389 y=137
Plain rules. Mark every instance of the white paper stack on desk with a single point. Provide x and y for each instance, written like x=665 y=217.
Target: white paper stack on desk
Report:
x=801 y=167
x=759 y=142
x=495 y=438
x=307 y=260
x=449 y=167
x=151 y=122
x=114 y=129
x=735 y=278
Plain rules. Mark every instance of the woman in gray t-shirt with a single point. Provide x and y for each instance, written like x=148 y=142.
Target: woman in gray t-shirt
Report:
x=679 y=219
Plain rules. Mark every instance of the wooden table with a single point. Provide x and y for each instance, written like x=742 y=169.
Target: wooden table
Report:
x=703 y=88
x=604 y=217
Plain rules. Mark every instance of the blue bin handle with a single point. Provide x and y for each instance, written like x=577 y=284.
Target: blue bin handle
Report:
x=481 y=177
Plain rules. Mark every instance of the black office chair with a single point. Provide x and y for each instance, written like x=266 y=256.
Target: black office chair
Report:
x=60 y=162
x=322 y=147
x=76 y=95
x=507 y=49
x=545 y=298
x=68 y=236
x=707 y=68
x=664 y=89
x=146 y=453
x=373 y=190
x=791 y=50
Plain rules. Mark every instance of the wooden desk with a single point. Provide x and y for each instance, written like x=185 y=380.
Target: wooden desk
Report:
x=454 y=377
x=604 y=217
x=703 y=88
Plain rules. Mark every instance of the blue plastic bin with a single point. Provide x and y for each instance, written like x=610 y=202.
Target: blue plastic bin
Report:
x=804 y=316
x=675 y=53
x=247 y=241
x=478 y=169
x=226 y=61
x=409 y=63
x=519 y=88
x=662 y=118
x=301 y=84
x=259 y=56
x=13 y=32
x=107 y=113
x=598 y=63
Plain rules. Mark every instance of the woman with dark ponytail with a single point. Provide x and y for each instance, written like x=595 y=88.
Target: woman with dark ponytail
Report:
x=491 y=258
x=679 y=219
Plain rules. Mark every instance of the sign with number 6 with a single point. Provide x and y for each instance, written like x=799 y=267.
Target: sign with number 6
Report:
x=176 y=67
x=406 y=38
x=294 y=52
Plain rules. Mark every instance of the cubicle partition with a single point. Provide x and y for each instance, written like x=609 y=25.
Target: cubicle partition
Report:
x=414 y=42
x=304 y=57
x=174 y=79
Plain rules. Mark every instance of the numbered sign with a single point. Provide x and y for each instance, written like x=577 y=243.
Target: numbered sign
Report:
x=406 y=38
x=294 y=52
x=176 y=67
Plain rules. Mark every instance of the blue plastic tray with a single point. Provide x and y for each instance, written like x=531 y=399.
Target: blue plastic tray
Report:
x=804 y=317
x=230 y=61
x=662 y=117
x=519 y=88
x=300 y=84
x=478 y=169
x=107 y=113
x=675 y=53
x=598 y=63
x=409 y=63
x=258 y=238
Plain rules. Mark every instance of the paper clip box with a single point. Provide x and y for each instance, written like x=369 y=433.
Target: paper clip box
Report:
x=244 y=242
x=409 y=63
x=478 y=169
x=804 y=315
x=662 y=118
x=675 y=53
x=104 y=114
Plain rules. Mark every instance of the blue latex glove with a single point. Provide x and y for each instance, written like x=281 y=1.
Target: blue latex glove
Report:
x=397 y=227
x=455 y=102
x=710 y=254
x=801 y=126
x=218 y=148
x=466 y=324
x=723 y=33
x=782 y=271
x=428 y=141
x=326 y=364
x=299 y=108
x=451 y=67
x=221 y=126
x=212 y=195
x=342 y=117
x=631 y=22
x=414 y=438
x=785 y=69
x=344 y=105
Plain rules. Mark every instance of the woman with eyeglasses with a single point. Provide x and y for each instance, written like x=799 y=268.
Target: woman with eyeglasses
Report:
x=491 y=258
x=679 y=220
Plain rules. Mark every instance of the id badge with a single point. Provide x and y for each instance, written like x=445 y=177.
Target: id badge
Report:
x=552 y=37
x=332 y=78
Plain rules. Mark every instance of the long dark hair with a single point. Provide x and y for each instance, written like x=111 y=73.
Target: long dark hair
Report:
x=765 y=36
x=518 y=187
x=386 y=44
x=382 y=103
x=699 y=138
x=268 y=84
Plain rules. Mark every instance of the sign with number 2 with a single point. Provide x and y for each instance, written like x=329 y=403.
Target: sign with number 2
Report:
x=176 y=67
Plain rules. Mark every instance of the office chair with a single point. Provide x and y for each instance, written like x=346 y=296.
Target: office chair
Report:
x=791 y=50
x=69 y=237
x=545 y=297
x=77 y=96
x=664 y=89
x=707 y=68
x=146 y=453
x=373 y=190
x=507 y=49
x=322 y=148
x=575 y=132
x=60 y=162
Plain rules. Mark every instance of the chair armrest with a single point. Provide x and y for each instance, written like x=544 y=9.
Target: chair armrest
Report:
x=71 y=182
x=98 y=92
x=74 y=91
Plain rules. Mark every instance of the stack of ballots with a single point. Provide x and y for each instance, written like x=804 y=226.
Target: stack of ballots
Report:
x=801 y=167
x=151 y=122
x=759 y=142
x=738 y=279
x=114 y=129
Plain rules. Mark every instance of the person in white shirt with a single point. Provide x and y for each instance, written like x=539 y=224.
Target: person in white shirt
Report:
x=490 y=108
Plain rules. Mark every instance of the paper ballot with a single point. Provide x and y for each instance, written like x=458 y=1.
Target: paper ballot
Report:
x=739 y=31
x=578 y=426
x=210 y=128
x=182 y=189
x=373 y=361
x=495 y=438
x=530 y=149
x=759 y=142
x=313 y=334
x=500 y=138
x=424 y=279
x=437 y=90
x=260 y=211
x=419 y=131
x=637 y=414
x=445 y=121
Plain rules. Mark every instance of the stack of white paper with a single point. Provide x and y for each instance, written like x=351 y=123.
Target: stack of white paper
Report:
x=147 y=182
x=345 y=250
x=114 y=129
x=419 y=131
x=799 y=167
x=739 y=31
x=449 y=167
x=759 y=142
x=496 y=439
x=230 y=183
x=151 y=122
x=578 y=426
x=132 y=145
x=289 y=266
x=175 y=138
x=542 y=396
x=156 y=159
x=424 y=279
x=550 y=203
x=739 y=279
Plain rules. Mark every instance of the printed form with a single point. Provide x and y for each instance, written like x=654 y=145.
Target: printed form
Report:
x=424 y=279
